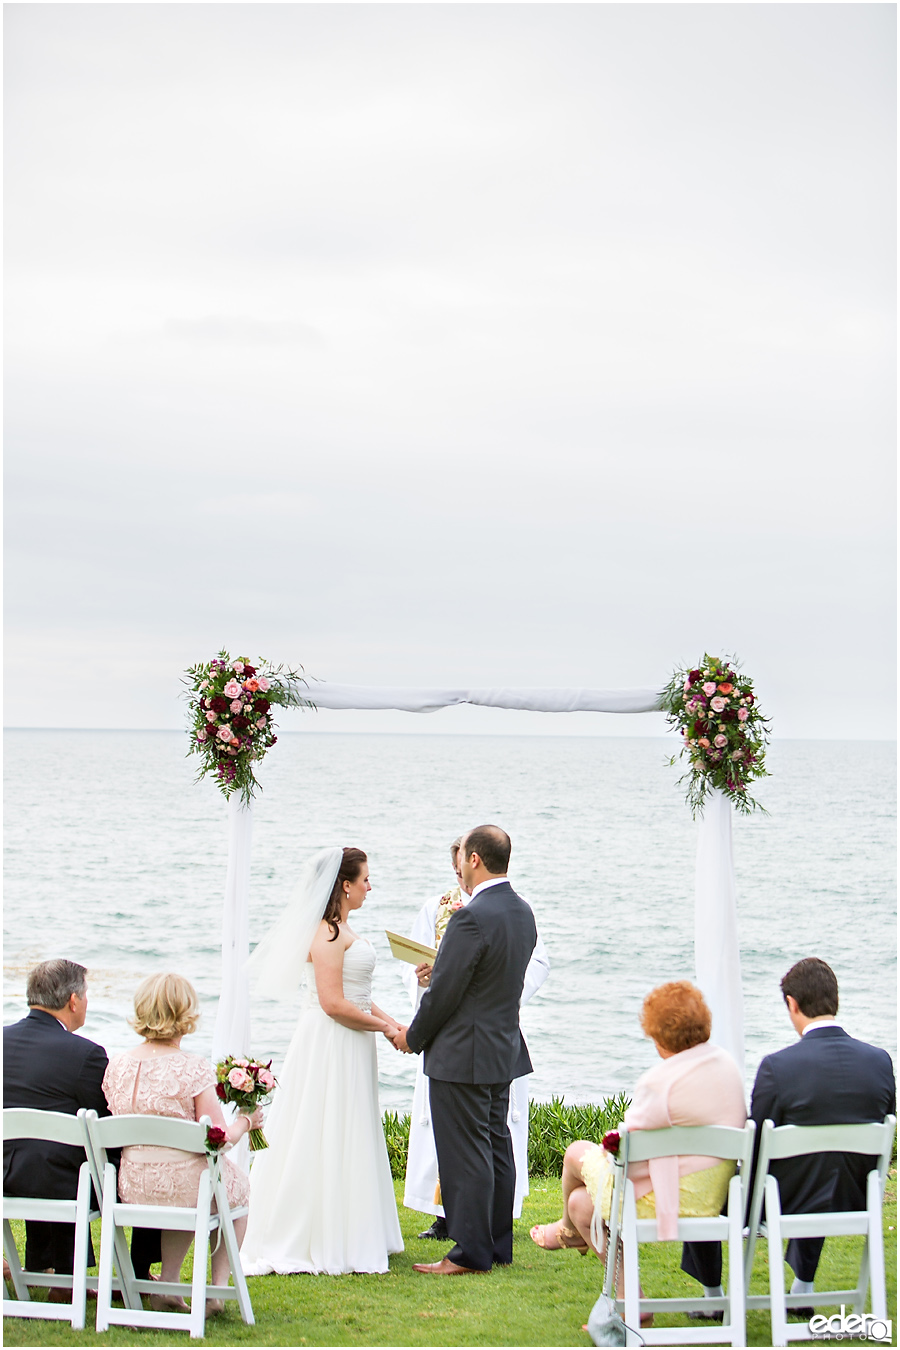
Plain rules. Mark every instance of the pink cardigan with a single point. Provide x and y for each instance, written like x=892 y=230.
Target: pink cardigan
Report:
x=700 y=1086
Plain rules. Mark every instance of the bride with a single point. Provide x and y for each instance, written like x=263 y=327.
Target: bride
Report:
x=321 y=1196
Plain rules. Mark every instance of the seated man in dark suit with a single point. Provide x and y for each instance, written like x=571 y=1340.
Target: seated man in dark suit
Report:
x=46 y=1068
x=824 y=1078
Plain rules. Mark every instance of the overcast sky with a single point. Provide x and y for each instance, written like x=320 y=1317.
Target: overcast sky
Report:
x=450 y=345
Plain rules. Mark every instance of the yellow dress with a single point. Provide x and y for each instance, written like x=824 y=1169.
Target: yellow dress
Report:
x=701 y=1195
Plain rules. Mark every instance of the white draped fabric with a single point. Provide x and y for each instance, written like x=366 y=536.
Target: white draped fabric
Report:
x=717 y=957
x=231 y=1034
x=716 y=951
x=326 y=695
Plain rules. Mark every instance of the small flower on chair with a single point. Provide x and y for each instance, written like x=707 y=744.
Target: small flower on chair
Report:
x=216 y=1138
x=611 y=1141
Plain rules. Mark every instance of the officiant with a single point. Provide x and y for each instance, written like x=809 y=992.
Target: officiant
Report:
x=422 y=1189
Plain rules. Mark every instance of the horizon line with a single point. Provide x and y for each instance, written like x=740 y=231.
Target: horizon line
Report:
x=502 y=735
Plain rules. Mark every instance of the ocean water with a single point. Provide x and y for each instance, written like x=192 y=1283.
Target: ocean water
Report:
x=115 y=857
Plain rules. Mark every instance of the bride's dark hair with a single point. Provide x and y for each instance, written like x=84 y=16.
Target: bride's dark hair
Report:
x=349 y=870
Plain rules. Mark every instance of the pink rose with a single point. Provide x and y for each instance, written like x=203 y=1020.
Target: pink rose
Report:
x=708 y=688
x=721 y=740
x=204 y=684
x=201 y=735
x=224 y=733
x=686 y=686
x=738 y=754
x=260 y=722
x=718 y=704
x=244 y=1063
x=237 y=667
x=240 y=1080
x=742 y=714
x=232 y=689
x=263 y=683
x=266 y=1079
x=236 y=705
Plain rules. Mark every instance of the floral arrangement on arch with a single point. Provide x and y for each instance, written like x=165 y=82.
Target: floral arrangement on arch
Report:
x=232 y=723
x=723 y=732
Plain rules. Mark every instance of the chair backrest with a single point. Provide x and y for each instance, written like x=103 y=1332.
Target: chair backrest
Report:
x=157 y=1131
x=710 y=1141
x=52 y=1126
x=793 y=1141
x=874 y=1139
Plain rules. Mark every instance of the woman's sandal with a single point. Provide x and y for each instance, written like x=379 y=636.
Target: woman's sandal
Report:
x=564 y=1238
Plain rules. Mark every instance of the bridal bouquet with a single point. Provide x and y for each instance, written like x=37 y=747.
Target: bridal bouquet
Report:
x=724 y=734
x=231 y=719
x=246 y=1083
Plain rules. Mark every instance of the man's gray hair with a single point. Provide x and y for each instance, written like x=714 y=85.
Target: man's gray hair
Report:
x=52 y=984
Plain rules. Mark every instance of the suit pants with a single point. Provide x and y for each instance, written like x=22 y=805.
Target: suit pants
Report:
x=477 y=1171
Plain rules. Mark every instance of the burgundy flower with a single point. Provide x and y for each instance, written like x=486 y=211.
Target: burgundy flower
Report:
x=611 y=1141
x=219 y=704
x=240 y=723
x=694 y=676
x=249 y=671
x=261 y=705
x=220 y=1092
x=216 y=1136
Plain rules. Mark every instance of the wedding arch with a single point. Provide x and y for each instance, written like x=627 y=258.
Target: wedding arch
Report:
x=713 y=706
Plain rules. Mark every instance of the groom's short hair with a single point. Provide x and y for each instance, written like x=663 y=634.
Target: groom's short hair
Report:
x=492 y=845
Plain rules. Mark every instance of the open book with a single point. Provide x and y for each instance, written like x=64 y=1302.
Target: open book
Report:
x=406 y=950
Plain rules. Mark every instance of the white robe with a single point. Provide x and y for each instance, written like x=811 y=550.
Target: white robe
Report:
x=421 y=1164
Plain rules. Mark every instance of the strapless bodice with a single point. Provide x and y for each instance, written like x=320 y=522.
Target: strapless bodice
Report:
x=359 y=963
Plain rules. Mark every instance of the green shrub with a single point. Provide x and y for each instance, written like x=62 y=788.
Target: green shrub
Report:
x=552 y=1126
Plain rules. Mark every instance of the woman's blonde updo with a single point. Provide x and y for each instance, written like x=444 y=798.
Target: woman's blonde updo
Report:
x=676 y=1016
x=165 y=1006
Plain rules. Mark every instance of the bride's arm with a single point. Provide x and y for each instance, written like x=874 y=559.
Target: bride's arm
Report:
x=391 y=1024
x=328 y=964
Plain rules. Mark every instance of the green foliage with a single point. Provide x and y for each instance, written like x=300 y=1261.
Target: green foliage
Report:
x=552 y=1126
x=396 y=1136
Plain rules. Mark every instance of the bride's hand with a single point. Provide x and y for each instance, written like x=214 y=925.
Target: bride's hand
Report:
x=391 y=1029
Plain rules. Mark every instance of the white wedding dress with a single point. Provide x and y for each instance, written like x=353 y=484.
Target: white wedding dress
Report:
x=321 y=1196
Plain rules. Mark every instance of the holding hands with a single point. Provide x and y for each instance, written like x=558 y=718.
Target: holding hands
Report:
x=397 y=1037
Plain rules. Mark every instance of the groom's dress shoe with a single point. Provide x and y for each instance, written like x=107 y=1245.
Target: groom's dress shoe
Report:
x=447 y=1267
x=437 y=1230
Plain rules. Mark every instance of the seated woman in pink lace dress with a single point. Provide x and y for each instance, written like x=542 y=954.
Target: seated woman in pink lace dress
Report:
x=158 y=1078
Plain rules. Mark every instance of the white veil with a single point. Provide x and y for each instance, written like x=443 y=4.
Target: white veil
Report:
x=277 y=963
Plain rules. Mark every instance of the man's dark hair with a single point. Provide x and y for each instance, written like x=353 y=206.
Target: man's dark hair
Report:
x=814 y=985
x=492 y=846
x=52 y=984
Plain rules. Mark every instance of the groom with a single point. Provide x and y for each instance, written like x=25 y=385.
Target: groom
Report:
x=468 y=1026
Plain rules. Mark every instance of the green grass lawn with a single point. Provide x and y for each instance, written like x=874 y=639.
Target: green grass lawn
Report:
x=541 y=1300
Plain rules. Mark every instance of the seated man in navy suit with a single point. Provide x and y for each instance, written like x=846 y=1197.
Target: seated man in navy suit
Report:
x=47 y=1068
x=824 y=1078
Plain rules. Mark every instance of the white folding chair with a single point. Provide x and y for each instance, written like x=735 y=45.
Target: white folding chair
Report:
x=797 y=1141
x=713 y=1141
x=190 y=1137
x=54 y=1127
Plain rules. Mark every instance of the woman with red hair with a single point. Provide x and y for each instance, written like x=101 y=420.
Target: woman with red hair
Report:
x=695 y=1083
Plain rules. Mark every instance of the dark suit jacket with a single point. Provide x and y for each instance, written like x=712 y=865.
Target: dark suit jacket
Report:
x=468 y=1020
x=825 y=1078
x=47 y=1068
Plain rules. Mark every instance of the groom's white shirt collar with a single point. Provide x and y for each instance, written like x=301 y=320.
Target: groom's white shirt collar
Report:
x=494 y=881
x=814 y=1026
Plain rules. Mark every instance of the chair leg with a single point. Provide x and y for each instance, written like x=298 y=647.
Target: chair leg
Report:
x=107 y=1244
x=79 y=1268
x=737 y=1308
x=10 y=1251
x=631 y=1270
x=875 y=1248
x=234 y=1257
x=201 y=1255
x=777 y=1308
